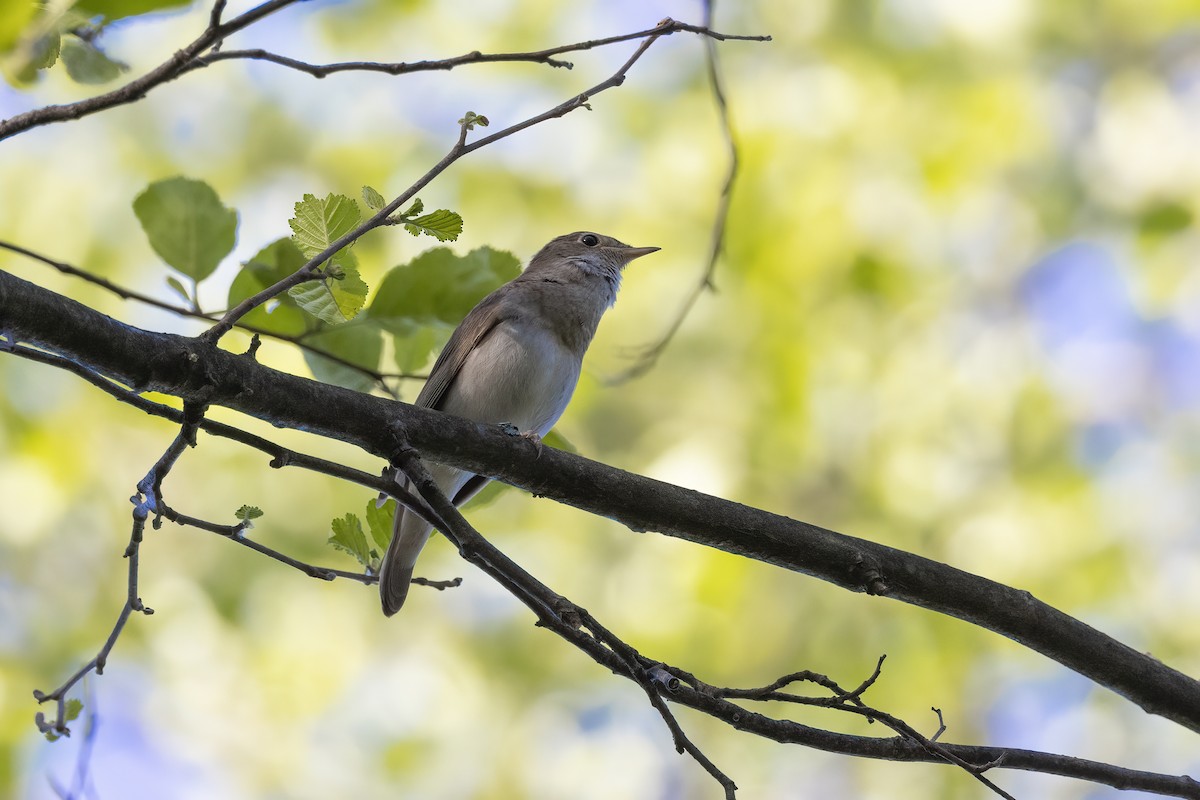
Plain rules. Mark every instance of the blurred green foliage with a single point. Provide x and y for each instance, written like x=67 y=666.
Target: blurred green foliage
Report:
x=880 y=359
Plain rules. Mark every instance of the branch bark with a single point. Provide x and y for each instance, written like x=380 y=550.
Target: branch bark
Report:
x=196 y=370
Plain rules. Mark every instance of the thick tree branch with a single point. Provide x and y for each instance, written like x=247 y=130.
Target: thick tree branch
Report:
x=578 y=627
x=136 y=89
x=195 y=370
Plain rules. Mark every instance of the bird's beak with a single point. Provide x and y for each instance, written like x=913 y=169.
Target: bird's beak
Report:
x=630 y=253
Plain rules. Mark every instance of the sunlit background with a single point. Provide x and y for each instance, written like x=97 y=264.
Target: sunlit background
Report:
x=958 y=313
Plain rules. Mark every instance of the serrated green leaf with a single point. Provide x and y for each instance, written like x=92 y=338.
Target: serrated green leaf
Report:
x=187 y=225
x=319 y=223
x=248 y=512
x=270 y=265
x=72 y=709
x=179 y=289
x=380 y=520
x=348 y=537
x=372 y=198
x=416 y=208
x=334 y=300
x=440 y=286
x=443 y=225
x=37 y=53
x=359 y=342
x=88 y=64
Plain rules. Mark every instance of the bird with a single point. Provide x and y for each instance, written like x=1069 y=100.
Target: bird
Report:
x=514 y=360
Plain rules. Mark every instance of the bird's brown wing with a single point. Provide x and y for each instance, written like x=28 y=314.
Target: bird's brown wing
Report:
x=474 y=328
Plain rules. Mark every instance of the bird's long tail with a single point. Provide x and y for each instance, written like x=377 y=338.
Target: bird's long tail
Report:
x=409 y=534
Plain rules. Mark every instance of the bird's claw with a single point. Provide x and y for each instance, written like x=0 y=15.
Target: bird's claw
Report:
x=533 y=436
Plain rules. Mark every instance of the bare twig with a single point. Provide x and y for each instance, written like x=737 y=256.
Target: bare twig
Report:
x=649 y=355
x=81 y=782
x=136 y=89
x=545 y=56
x=461 y=148
x=125 y=293
x=144 y=502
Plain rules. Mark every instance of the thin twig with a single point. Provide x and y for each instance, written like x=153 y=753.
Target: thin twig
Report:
x=545 y=56
x=125 y=293
x=461 y=148
x=649 y=355
x=281 y=457
x=137 y=89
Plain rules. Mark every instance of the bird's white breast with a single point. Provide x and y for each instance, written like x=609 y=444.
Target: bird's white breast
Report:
x=519 y=373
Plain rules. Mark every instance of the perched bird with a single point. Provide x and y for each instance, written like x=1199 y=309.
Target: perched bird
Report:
x=514 y=359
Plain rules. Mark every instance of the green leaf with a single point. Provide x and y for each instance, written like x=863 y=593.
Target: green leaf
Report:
x=439 y=285
x=270 y=265
x=72 y=710
x=442 y=225
x=187 y=225
x=348 y=536
x=416 y=208
x=321 y=222
x=334 y=300
x=40 y=52
x=87 y=63
x=248 y=513
x=359 y=342
x=414 y=343
x=372 y=198
x=116 y=9
x=380 y=520
x=179 y=289
x=420 y=303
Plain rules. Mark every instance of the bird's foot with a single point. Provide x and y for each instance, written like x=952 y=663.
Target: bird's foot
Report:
x=533 y=436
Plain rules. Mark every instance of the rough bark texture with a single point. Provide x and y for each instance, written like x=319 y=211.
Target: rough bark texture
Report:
x=194 y=370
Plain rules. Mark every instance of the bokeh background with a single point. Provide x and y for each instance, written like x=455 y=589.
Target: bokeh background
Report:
x=959 y=314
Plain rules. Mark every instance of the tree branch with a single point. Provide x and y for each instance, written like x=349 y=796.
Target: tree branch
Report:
x=311 y=270
x=136 y=89
x=649 y=354
x=579 y=628
x=125 y=293
x=193 y=369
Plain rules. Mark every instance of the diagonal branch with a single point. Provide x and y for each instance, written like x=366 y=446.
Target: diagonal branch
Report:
x=136 y=89
x=311 y=270
x=650 y=354
x=546 y=56
x=193 y=369
x=580 y=629
x=125 y=293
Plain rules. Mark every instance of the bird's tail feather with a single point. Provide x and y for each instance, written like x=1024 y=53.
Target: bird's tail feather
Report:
x=409 y=535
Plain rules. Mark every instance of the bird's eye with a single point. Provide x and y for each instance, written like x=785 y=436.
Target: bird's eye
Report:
x=590 y=239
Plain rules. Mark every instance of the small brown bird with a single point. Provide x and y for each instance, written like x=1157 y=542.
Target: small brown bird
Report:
x=514 y=359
